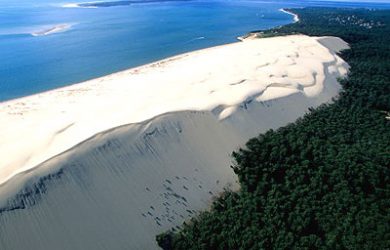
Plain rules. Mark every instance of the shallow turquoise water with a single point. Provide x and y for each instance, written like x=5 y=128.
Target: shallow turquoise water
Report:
x=106 y=40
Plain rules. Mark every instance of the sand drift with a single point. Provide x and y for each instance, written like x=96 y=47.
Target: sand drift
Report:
x=121 y=158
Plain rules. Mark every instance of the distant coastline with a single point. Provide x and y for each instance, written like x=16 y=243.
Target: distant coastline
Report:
x=255 y=34
x=296 y=18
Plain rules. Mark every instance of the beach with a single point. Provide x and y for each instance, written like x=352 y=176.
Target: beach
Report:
x=296 y=18
x=135 y=141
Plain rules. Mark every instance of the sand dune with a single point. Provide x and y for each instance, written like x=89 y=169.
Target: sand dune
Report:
x=86 y=180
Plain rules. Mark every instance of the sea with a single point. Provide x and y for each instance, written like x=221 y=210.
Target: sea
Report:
x=49 y=44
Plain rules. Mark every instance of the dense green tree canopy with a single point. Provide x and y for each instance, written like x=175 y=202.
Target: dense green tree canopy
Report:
x=322 y=182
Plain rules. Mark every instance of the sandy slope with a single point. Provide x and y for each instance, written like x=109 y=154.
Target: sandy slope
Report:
x=119 y=188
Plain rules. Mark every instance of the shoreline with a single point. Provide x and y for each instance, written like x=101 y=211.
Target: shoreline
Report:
x=296 y=17
x=254 y=34
x=108 y=76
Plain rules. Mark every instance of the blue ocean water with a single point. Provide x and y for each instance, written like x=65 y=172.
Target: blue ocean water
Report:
x=91 y=42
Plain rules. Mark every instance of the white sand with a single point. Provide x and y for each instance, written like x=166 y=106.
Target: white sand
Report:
x=52 y=30
x=296 y=18
x=77 y=5
x=36 y=128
